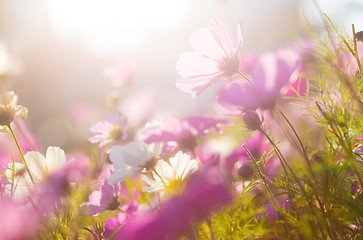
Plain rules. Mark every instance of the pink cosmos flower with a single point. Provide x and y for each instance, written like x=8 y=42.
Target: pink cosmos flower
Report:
x=121 y=74
x=182 y=132
x=272 y=72
x=110 y=131
x=216 y=58
x=105 y=199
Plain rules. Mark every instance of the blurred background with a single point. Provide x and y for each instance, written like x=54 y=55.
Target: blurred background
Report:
x=54 y=53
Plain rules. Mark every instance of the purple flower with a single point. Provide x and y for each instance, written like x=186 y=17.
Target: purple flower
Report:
x=272 y=72
x=216 y=58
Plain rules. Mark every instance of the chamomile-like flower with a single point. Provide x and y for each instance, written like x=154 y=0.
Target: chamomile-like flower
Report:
x=169 y=176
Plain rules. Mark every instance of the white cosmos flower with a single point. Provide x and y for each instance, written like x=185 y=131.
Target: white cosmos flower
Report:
x=40 y=168
x=131 y=158
x=168 y=176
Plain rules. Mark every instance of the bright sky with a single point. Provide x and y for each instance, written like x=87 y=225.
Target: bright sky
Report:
x=344 y=12
x=103 y=24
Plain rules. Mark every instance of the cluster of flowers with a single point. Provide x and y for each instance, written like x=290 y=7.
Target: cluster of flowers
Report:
x=164 y=180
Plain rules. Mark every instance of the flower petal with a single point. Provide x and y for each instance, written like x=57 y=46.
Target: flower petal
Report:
x=55 y=159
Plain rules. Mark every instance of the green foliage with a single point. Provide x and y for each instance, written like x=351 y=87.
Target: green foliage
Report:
x=323 y=183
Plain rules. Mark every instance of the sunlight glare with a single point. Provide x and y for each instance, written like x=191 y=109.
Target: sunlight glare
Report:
x=102 y=24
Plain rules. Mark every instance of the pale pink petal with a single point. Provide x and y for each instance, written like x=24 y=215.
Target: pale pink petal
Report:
x=95 y=198
x=193 y=64
x=239 y=40
x=196 y=85
x=222 y=35
x=216 y=58
x=203 y=42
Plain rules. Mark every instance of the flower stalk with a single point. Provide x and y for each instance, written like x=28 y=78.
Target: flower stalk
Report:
x=20 y=151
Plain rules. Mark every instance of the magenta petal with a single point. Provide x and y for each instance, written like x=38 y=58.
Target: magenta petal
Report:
x=272 y=72
x=110 y=226
x=109 y=193
x=201 y=124
x=238 y=95
x=95 y=198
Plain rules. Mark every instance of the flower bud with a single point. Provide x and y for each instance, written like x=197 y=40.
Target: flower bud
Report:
x=246 y=171
x=252 y=120
x=359 y=36
x=9 y=108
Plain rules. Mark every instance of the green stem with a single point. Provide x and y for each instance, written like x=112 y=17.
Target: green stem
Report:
x=283 y=160
x=356 y=56
x=296 y=135
x=21 y=152
x=24 y=134
x=262 y=175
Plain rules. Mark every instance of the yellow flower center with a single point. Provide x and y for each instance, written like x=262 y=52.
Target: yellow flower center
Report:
x=116 y=134
x=174 y=186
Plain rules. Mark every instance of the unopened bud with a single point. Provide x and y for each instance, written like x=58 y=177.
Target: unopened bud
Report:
x=359 y=36
x=246 y=171
x=252 y=120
